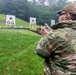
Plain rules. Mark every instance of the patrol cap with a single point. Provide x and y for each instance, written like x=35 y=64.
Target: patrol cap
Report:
x=71 y=8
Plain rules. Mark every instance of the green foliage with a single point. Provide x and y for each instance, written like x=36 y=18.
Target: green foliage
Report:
x=24 y=9
x=15 y=7
x=17 y=53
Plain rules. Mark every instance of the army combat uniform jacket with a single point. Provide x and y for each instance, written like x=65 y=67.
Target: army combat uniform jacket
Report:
x=58 y=48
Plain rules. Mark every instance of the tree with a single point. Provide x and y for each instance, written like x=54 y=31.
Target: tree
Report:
x=52 y=1
x=24 y=9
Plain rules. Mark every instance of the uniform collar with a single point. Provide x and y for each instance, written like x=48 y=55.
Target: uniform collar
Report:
x=64 y=24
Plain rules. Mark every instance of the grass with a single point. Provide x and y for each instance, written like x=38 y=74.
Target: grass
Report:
x=17 y=50
x=19 y=22
x=17 y=53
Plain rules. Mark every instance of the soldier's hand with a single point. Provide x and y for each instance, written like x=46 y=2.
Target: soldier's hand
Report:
x=44 y=31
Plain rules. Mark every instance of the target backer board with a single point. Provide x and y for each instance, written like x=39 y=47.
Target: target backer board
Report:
x=10 y=20
x=32 y=21
x=52 y=22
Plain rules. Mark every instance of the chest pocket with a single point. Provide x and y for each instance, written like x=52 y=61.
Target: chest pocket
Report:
x=72 y=37
x=73 y=43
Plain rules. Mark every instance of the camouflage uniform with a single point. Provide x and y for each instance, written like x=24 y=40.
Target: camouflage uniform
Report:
x=58 y=48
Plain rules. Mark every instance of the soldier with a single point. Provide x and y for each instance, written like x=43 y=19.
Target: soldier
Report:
x=58 y=47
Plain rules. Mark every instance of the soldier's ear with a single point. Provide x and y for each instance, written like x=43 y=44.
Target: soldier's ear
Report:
x=67 y=16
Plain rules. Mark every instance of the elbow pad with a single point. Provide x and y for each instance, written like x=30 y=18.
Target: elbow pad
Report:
x=42 y=52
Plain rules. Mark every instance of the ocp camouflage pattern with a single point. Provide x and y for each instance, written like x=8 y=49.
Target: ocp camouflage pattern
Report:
x=59 y=46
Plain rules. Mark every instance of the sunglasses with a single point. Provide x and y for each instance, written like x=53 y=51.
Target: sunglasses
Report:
x=62 y=14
